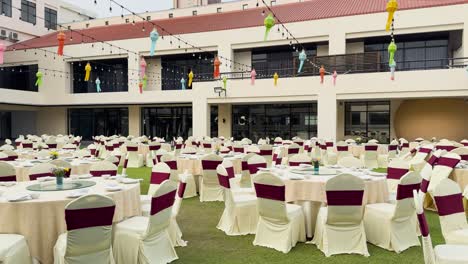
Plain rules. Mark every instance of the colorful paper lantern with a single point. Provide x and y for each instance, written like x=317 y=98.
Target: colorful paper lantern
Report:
x=87 y=71
x=61 y=43
x=98 y=85
x=392 y=7
x=392 y=66
x=224 y=82
x=145 y=81
x=190 y=78
x=182 y=83
x=322 y=74
x=142 y=66
x=269 y=23
x=154 y=35
x=392 y=48
x=140 y=85
x=302 y=58
x=2 y=50
x=335 y=74
x=39 y=79
x=253 y=75
x=216 y=64
x=275 y=78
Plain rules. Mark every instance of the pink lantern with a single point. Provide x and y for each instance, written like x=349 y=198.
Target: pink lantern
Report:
x=142 y=67
x=2 y=49
x=253 y=74
x=334 y=77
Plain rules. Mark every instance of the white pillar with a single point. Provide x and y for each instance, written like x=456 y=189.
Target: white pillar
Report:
x=133 y=75
x=337 y=43
x=327 y=113
x=200 y=117
x=225 y=51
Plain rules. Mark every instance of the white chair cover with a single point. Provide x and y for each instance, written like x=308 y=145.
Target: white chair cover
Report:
x=191 y=187
x=14 y=249
x=210 y=190
x=40 y=170
x=299 y=159
x=101 y=168
x=7 y=172
x=369 y=158
x=135 y=160
x=395 y=171
x=444 y=166
x=350 y=162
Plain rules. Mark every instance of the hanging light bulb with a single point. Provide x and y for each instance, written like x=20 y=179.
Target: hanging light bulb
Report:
x=95 y=2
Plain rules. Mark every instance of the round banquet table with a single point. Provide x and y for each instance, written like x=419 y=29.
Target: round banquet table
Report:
x=460 y=176
x=32 y=154
x=358 y=150
x=42 y=220
x=79 y=167
x=144 y=148
x=192 y=164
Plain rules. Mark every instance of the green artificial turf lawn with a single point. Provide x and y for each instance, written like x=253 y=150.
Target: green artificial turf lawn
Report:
x=208 y=245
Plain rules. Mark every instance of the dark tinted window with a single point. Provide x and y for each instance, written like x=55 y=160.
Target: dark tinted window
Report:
x=176 y=67
x=368 y=120
x=112 y=73
x=50 y=18
x=19 y=78
x=167 y=122
x=5 y=7
x=89 y=122
x=28 y=11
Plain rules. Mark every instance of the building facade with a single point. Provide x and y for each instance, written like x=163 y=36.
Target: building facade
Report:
x=26 y=19
x=428 y=97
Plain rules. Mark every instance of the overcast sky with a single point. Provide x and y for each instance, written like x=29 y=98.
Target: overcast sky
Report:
x=140 y=6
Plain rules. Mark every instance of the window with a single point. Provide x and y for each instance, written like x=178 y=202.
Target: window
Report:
x=167 y=122
x=214 y=121
x=194 y=12
x=245 y=6
x=272 y=3
x=50 y=18
x=369 y=120
x=112 y=73
x=218 y=10
x=282 y=60
x=176 y=67
x=89 y=122
x=171 y=15
x=5 y=125
x=28 y=11
x=19 y=78
x=210 y=2
x=5 y=7
x=274 y=120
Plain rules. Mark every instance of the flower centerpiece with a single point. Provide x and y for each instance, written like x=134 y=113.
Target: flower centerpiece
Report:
x=358 y=140
x=39 y=147
x=60 y=173
x=316 y=164
x=217 y=149
x=53 y=155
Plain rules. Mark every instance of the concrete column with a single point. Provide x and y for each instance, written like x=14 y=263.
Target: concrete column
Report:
x=327 y=113
x=337 y=43
x=226 y=52
x=225 y=113
x=200 y=117
x=134 y=120
x=133 y=75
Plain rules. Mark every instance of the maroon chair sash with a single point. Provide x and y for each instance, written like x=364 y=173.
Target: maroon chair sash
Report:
x=210 y=164
x=158 y=177
x=447 y=148
x=423 y=225
x=465 y=144
x=406 y=191
x=178 y=146
x=4 y=159
x=324 y=147
x=27 y=145
x=239 y=150
x=206 y=145
x=225 y=151
x=293 y=150
x=278 y=142
x=116 y=163
x=300 y=143
x=342 y=148
x=52 y=145
x=33 y=177
x=345 y=197
x=432 y=160
x=126 y=163
x=172 y=164
x=292 y=163
x=449 y=162
x=306 y=148
x=181 y=189
x=132 y=149
x=230 y=172
x=449 y=204
x=392 y=147
x=93 y=152
x=12 y=158
x=287 y=143
x=329 y=144
x=7 y=178
x=162 y=202
x=425 y=150
x=253 y=168
x=464 y=157
x=270 y=192
x=103 y=172
x=154 y=147
x=266 y=152
x=244 y=166
x=89 y=217
x=116 y=145
x=158 y=158
x=371 y=148
x=405 y=145
x=109 y=148
x=18 y=143
x=224 y=181
x=424 y=185
x=396 y=173
x=413 y=151
x=229 y=147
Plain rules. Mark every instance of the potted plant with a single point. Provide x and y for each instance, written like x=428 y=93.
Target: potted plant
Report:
x=316 y=164
x=358 y=140
x=217 y=149
x=60 y=173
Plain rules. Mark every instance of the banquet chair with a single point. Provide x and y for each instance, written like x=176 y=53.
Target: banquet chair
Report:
x=240 y=211
x=40 y=170
x=462 y=151
x=145 y=239
x=280 y=225
x=3 y=156
x=444 y=166
x=27 y=145
x=350 y=162
x=14 y=249
x=449 y=202
x=441 y=254
x=291 y=150
x=342 y=149
x=464 y=142
x=159 y=173
x=299 y=159
x=384 y=159
x=210 y=190
x=340 y=227
x=151 y=156
x=396 y=169
x=261 y=141
x=87 y=241
x=246 y=141
x=69 y=146
x=42 y=154
x=189 y=150
x=278 y=141
x=113 y=159
x=331 y=157
x=246 y=178
x=238 y=148
x=83 y=153
x=62 y=164
x=12 y=155
x=7 y=147
x=224 y=150
x=178 y=145
x=191 y=187
x=135 y=160
x=101 y=168
x=255 y=163
x=422 y=153
x=207 y=146
x=175 y=234
x=252 y=149
x=277 y=157
x=8 y=141
x=369 y=158
x=7 y=172
x=92 y=150
x=404 y=147
x=425 y=170
x=391 y=226
x=445 y=145
x=373 y=141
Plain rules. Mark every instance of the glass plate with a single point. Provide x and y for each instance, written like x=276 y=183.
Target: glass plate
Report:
x=69 y=185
